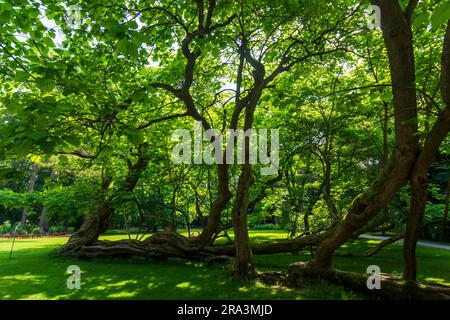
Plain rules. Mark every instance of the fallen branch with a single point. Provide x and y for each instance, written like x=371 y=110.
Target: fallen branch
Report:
x=171 y=244
x=373 y=250
x=392 y=287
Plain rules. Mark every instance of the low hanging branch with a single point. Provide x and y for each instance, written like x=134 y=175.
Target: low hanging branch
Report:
x=371 y=252
x=392 y=287
x=163 y=245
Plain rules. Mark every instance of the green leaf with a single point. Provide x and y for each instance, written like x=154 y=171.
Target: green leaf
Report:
x=45 y=84
x=23 y=148
x=441 y=15
x=132 y=24
x=386 y=96
x=132 y=49
x=47 y=146
x=63 y=159
x=5 y=171
x=127 y=47
x=121 y=46
x=73 y=140
x=37 y=135
x=135 y=137
x=409 y=122
x=21 y=75
x=423 y=17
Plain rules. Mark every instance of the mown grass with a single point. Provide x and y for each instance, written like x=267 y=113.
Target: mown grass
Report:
x=35 y=273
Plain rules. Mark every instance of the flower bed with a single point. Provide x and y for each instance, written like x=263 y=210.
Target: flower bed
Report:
x=36 y=236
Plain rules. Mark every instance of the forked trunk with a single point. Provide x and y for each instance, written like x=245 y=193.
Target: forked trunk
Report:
x=94 y=224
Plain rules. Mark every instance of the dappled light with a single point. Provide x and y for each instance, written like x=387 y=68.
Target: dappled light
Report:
x=225 y=150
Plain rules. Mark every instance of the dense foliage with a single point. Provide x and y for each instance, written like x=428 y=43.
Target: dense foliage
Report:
x=91 y=92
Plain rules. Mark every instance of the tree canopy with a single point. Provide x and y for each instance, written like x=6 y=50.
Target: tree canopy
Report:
x=91 y=93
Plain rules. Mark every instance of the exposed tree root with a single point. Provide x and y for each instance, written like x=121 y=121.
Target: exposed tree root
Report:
x=273 y=278
x=392 y=287
x=159 y=245
x=293 y=245
x=170 y=244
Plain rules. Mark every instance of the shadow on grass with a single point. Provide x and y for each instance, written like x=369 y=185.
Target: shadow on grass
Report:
x=35 y=274
x=39 y=275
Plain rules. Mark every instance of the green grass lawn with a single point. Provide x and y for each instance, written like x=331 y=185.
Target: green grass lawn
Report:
x=34 y=273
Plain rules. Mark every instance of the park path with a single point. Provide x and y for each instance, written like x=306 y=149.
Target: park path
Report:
x=419 y=243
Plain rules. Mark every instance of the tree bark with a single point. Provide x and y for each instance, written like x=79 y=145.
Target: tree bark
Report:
x=393 y=288
x=243 y=265
x=447 y=201
x=398 y=39
x=419 y=179
x=95 y=224
x=224 y=195
x=170 y=244
x=43 y=224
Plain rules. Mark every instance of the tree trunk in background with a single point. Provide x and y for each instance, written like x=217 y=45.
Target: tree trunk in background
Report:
x=447 y=201
x=306 y=223
x=173 y=226
x=220 y=203
x=385 y=148
x=31 y=185
x=198 y=210
x=310 y=206
x=43 y=219
x=398 y=39
x=332 y=210
x=419 y=179
x=296 y=200
x=93 y=224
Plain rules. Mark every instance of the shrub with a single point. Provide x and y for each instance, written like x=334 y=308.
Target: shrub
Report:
x=267 y=226
x=6 y=227
x=36 y=231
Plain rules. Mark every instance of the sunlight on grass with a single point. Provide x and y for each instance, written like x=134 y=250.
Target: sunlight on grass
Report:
x=122 y=295
x=438 y=280
x=34 y=273
x=184 y=285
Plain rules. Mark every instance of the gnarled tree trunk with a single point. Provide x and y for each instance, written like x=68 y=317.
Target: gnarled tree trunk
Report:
x=419 y=179
x=398 y=38
x=94 y=224
x=243 y=265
